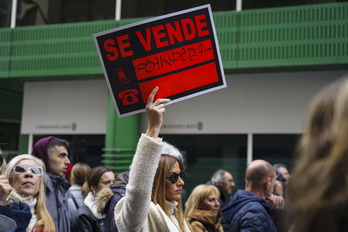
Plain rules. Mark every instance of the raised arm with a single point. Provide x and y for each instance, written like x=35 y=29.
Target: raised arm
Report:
x=132 y=210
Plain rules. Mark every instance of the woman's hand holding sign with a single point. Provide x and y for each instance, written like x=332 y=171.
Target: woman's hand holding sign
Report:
x=155 y=111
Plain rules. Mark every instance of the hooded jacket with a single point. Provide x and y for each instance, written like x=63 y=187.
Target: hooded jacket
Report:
x=56 y=189
x=107 y=199
x=248 y=212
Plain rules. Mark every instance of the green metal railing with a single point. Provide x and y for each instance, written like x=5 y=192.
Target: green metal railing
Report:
x=303 y=36
x=118 y=159
x=299 y=38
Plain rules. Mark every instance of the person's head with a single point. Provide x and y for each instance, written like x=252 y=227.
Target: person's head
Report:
x=98 y=178
x=26 y=175
x=282 y=170
x=79 y=173
x=259 y=178
x=224 y=181
x=318 y=187
x=203 y=197
x=169 y=180
x=54 y=153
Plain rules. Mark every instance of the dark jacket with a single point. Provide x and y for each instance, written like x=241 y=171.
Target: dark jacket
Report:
x=85 y=221
x=107 y=199
x=248 y=212
x=57 y=194
x=19 y=212
x=119 y=190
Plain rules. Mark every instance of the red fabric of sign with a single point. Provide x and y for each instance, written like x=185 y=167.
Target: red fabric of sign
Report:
x=181 y=82
x=172 y=60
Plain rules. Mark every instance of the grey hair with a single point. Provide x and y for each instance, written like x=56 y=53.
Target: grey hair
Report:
x=218 y=177
x=279 y=165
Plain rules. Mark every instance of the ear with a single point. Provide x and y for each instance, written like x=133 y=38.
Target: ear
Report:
x=268 y=183
x=94 y=188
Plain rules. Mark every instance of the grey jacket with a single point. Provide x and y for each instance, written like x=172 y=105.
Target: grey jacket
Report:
x=57 y=194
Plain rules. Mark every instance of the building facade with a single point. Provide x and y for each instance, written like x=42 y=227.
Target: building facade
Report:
x=276 y=56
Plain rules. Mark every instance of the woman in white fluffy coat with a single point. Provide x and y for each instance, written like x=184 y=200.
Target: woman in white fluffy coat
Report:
x=153 y=194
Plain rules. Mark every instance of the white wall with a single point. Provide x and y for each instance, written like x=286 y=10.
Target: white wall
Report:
x=64 y=107
x=251 y=103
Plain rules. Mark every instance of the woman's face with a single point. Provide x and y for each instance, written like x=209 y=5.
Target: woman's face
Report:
x=173 y=191
x=211 y=203
x=26 y=184
x=107 y=179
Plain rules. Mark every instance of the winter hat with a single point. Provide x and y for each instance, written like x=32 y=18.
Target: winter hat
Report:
x=169 y=149
x=40 y=151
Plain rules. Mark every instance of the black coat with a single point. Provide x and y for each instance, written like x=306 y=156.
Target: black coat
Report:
x=84 y=221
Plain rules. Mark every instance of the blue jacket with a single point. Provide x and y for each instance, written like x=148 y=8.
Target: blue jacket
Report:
x=248 y=212
x=119 y=190
x=19 y=212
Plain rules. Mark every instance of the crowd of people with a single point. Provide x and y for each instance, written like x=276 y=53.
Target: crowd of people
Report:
x=36 y=195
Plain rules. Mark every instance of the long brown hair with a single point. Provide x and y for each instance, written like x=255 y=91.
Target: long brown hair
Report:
x=318 y=188
x=165 y=165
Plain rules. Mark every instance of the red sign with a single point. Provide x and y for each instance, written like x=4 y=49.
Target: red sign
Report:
x=177 y=52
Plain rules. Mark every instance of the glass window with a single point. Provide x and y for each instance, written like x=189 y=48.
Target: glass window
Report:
x=275 y=148
x=5 y=13
x=39 y=12
x=9 y=135
x=256 y=4
x=206 y=154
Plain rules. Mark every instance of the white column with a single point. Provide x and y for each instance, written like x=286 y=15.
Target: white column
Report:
x=238 y=5
x=13 y=14
x=30 y=143
x=118 y=10
x=250 y=148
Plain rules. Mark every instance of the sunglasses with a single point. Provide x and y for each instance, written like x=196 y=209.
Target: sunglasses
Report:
x=174 y=177
x=37 y=171
x=2 y=158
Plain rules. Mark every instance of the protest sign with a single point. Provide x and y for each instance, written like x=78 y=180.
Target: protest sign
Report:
x=177 y=52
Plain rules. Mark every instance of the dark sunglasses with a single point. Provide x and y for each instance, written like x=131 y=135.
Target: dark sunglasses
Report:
x=2 y=158
x=174 y=177
x=23 y=168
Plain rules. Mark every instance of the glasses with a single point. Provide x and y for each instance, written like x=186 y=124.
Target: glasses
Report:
x=2 y=158
x=174 y=177
x=37 y=171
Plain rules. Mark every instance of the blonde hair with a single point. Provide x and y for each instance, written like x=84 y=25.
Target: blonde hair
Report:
x=44 y=219
x=197 y=197
x=165 y=165
x=318 y=188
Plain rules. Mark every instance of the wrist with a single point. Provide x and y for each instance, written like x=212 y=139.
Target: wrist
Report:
x=152 y=132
